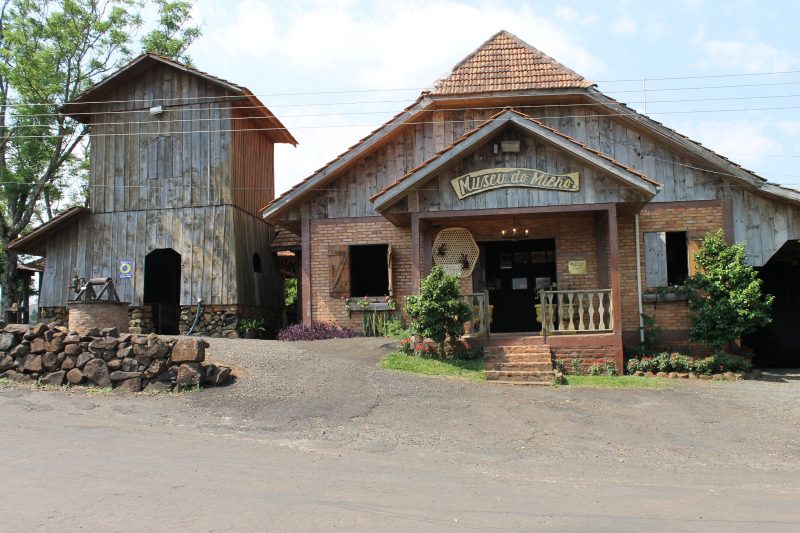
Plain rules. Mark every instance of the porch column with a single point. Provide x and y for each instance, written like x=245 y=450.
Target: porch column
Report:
x=305 y=239
x=415 y=262
x=613 y=242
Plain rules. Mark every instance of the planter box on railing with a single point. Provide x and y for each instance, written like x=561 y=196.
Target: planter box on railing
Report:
x=665 y=297
x=374 y=306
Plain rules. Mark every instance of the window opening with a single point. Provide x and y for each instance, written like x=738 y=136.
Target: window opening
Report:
x=369 y=270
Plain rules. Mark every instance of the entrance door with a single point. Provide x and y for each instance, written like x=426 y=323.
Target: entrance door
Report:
x=162 y=288
x=512 y=271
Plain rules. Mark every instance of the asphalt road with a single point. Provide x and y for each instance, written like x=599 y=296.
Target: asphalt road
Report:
x=315 y=437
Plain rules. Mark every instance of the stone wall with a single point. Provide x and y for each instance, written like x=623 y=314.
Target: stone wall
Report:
x=222 y=320
x=141 y=319
x=53 y=315
x=107 y=358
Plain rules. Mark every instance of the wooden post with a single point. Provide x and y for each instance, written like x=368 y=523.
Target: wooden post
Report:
x=427 y=252
x=601 y=242
x=613 y=241
x=415 y=263
x=305 y=236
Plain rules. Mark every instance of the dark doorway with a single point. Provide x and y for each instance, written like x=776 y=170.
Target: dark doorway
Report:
x=512 y=271
x=778 y=344
x=162 y=289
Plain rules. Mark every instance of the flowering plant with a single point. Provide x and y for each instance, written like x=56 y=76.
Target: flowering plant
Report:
x=364 y=303
x=347 y=310
x=391 y=303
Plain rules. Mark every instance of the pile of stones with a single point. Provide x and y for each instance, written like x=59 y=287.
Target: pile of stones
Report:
x=105 y=358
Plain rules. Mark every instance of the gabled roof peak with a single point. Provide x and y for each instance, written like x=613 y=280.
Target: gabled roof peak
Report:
x=506 y=63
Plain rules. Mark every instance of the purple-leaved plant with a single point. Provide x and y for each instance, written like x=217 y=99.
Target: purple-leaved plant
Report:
x=314 y=332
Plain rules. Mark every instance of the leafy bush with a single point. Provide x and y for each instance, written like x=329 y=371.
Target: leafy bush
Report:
x=395 y=328
x=606 y=368
x=314 y=332
x=561 y=365
x=250 y=324
x=290 y=290
x=676 y=362
x=470 y=354
x=727 y=301
x=438 y=312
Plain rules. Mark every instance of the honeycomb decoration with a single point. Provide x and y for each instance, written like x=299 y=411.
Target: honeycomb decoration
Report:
x=456 y=246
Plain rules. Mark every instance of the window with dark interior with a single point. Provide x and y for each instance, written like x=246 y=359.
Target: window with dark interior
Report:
x=666 y=258
x=369 y=270
x=677 y=258
x=257 y=263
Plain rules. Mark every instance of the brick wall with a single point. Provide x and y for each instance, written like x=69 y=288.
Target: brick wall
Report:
x=672 y=317
x=370 y=230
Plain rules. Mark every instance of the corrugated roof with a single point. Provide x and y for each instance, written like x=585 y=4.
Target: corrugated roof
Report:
x=491 y=119
x=507 y=63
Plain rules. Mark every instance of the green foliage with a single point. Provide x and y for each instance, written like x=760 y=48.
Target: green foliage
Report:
x=396 y=329
x=651 y=331
x=250 y=324
x=438 y=312
x=607 y=368
x=50 y=52
x=378 y=322
x=727 y=302
x=576 y=367
x=290 y=291
x=471 y=370
x=676 y=362
x=172 y=35
x=561 y=365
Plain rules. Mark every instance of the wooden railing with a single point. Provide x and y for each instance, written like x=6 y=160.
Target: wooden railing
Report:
x=481 y=316
x=587 y=311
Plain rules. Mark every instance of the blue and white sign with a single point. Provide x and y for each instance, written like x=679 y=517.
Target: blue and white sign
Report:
x=125 y=268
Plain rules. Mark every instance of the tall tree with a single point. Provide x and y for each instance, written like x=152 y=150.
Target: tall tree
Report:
x=50 y=52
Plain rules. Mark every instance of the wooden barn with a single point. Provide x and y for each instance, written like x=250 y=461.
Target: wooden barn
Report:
x=566 y=214
x=181 y=163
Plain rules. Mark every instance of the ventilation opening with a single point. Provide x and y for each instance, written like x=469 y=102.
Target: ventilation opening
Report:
x=162 y=287
x=369 y=270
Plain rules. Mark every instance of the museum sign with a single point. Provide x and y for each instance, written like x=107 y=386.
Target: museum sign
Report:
x=497 y=178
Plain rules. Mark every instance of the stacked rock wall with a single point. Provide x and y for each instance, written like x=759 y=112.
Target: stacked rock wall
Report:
x=105 y=358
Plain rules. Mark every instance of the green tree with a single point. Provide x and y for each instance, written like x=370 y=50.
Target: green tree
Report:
x=438 y=312
x=50 y=52
x=727 y=302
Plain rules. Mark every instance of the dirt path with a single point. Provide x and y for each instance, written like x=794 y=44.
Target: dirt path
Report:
x=322 y=439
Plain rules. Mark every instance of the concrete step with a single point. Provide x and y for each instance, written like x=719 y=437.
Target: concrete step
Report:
x=519 y=375
x=505 y=340
x=518 y=358
x=518 y=349
x=543 y=366
x=524 y=383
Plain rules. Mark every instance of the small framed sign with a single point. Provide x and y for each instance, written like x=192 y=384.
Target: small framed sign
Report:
x=452 y=269
x=125 y=268
x=577 y=267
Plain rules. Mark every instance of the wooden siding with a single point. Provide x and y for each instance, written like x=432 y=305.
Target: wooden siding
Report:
x=252 y=164
x=204 y=238
x=764 y=223
x=252 y=236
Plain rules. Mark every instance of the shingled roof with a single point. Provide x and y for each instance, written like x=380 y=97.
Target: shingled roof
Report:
x=507 y=63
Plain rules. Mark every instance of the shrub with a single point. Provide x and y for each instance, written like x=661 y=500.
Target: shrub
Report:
x=609 y=368
x=469 y=354
x=561 y=366
x=314 y=332
x=438 y=312
x=595 y=370
x=727 y=301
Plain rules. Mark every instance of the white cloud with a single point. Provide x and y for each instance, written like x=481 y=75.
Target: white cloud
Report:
x=749 y=54
x=625 y=25
x=743 y=141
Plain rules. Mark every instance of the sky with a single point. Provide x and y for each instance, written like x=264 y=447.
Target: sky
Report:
x=333 y=71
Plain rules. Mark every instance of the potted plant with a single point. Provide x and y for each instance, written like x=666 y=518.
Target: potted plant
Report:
x=251 y=328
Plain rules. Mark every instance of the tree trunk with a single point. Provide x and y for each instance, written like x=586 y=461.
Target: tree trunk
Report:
x=9 y=284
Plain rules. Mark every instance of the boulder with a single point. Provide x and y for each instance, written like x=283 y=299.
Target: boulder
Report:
x=108 y=355
x=123 y=376
x=91 y=332
x=56 y=344
x=8 y=341
x=114 y=364
x=217 y=375
x=55 y=379
x=72 y=349
x=20 y=350
x=38 y=345
x=13 y=375
x=72 y=339
x=109 y=332
x=49 y=361
x=157 y=367
x=100 y=345
x=75 y=376
x=84 y=358
x=188 y=375
x=122 y=353
x=125 y=338
x=36 y=331
x=48 y=335
x=129 y=385
x=139 y=339
x=158 y=386
x=96 y=371
x=17 y=329
x=189 y=351
x=6 y=363
x=69 y=362
x=33 y=363
x=130 y=365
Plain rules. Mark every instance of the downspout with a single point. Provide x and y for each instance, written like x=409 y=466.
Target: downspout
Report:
x=639 y=278
x=196 y=318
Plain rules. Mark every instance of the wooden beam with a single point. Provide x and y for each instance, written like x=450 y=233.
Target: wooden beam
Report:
x=427 y=249
x=601 y=242
x=613 y=240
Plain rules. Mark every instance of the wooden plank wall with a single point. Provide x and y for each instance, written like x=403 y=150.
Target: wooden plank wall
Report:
x=204 y=237
x=763 y=222
x=252 y=164
x=252 y=236
x=179 y=158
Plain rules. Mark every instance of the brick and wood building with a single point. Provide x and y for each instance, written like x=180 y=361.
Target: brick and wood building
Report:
x=181 y=163
x=520 y=175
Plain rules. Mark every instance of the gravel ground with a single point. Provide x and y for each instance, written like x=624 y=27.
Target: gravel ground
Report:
x=316 y=436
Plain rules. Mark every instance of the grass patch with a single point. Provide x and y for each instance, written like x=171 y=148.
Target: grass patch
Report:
x=619 y=382
x=469 y=370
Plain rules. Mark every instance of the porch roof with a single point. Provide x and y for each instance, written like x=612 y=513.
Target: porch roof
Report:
x=395 y=191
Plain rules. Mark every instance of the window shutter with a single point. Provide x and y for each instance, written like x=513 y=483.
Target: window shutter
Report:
x=339 y=260
x=655 y=258
x=695 y=241
x=389 y=264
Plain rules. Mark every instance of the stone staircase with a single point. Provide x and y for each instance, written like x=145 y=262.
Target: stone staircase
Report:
x=518 y=360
